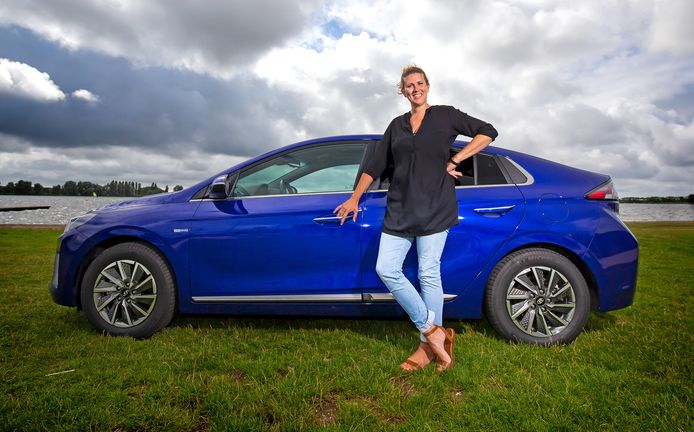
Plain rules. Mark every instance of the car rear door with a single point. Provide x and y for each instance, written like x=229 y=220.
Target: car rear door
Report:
x=277 y=239
x=490 y=207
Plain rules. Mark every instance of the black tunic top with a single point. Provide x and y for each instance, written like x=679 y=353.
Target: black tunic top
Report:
x=421 y=197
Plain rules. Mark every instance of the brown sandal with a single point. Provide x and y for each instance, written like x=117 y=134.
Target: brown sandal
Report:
x=448 y=347
x=415 y=365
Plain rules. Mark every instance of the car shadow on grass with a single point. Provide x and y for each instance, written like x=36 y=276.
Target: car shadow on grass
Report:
x=391 y=329
x=598 y=321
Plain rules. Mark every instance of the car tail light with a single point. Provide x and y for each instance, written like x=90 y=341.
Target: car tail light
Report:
x=605 y=191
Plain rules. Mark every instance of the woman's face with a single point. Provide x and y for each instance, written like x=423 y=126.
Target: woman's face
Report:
x=416 y=89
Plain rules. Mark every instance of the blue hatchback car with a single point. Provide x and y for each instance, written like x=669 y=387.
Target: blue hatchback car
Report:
x=538 y=246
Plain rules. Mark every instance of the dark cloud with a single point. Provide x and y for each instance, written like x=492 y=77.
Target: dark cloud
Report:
x=154 y=108
x=216 y=36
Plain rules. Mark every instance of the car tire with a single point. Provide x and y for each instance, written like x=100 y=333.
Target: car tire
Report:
x=129 y=290
x=537 y=296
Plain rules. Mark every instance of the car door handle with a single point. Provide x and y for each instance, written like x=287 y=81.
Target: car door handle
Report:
x=494 y=211
x=332 y=220
x=328 y=220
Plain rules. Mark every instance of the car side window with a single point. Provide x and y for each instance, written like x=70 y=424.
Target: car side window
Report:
x=332 y=179
x=481 y=169
x=488 y=171
x=316 y=169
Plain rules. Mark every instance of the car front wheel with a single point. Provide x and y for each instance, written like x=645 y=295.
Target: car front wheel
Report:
x=537 y=296
x=128 y=290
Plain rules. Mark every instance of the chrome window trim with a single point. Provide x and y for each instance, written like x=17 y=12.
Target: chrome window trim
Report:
x=457 y=187
x=276 y=196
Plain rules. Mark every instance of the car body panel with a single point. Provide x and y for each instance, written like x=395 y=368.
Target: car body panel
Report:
x=469 y=245
x=256 y=242
x=163 y=225
x=215 y=247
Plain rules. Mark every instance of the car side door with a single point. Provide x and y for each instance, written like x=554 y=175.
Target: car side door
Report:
x=275 y=239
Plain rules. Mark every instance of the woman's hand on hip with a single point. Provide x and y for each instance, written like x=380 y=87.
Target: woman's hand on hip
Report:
x=451 y=169
x=347 y=207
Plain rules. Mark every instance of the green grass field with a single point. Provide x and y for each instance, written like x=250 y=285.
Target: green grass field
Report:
x=630 y=370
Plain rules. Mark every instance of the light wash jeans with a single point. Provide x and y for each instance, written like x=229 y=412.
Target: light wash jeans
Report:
x=425 y=309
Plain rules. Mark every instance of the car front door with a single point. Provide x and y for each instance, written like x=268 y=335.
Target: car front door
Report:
x=276 y=238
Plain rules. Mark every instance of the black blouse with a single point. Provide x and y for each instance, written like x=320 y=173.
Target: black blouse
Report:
x=421 y=197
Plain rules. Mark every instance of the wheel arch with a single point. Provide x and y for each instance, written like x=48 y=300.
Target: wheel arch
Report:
x=586 y=272
x=110 y=242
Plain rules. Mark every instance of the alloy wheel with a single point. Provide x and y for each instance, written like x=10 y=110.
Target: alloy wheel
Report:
x=125 y=293
x=540 y=301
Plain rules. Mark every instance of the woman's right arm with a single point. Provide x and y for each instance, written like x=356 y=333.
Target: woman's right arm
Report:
x=376 y=159
x=352 y=204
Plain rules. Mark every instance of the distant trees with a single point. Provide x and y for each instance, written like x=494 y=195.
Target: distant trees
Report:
x=70 y=188
x=23 y=187
x=660 y=200
x=83 y=188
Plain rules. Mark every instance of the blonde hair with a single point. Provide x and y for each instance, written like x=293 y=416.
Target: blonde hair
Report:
x=409 y=70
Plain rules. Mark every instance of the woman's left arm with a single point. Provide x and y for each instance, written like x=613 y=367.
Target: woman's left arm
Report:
x=482 y=132
x=478 y=143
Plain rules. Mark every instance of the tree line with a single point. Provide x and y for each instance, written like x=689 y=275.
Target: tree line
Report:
x=689 y=199
x=115 y=188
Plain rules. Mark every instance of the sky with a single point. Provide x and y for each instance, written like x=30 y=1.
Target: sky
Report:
x=173 y=91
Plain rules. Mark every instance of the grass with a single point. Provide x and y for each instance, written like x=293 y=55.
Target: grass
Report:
x=630 y=369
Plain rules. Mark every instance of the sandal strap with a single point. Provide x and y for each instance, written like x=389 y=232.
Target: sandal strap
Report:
x=431 y=331
x=413 y=363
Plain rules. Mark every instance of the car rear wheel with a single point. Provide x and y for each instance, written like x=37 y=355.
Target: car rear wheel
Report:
x=128 y=290
x=537 y=296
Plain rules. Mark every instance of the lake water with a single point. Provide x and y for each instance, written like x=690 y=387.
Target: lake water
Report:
x=65 y=207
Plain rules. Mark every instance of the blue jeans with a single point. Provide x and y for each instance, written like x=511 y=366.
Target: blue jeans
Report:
x=425 y=309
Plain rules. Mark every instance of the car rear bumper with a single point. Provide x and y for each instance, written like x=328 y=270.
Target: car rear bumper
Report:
x=614 y=257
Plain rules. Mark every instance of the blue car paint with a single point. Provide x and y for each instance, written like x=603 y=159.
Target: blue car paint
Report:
x=470 y=245
x=273 y=246
x=541 y=215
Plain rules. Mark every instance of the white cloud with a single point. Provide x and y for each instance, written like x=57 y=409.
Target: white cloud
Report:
x=85 y=95
x=25 y=81
x=671 y=29
x=573 y=82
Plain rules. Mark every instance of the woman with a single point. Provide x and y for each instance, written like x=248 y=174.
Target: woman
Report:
x=421 y=206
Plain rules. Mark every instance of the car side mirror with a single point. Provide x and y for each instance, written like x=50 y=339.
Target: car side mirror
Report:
x=218 y=189
x=221 y=186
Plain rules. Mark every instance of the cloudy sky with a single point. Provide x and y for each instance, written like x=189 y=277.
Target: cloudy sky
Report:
x=172 y=91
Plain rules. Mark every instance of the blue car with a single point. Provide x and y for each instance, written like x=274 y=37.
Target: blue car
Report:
x=538 y=246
